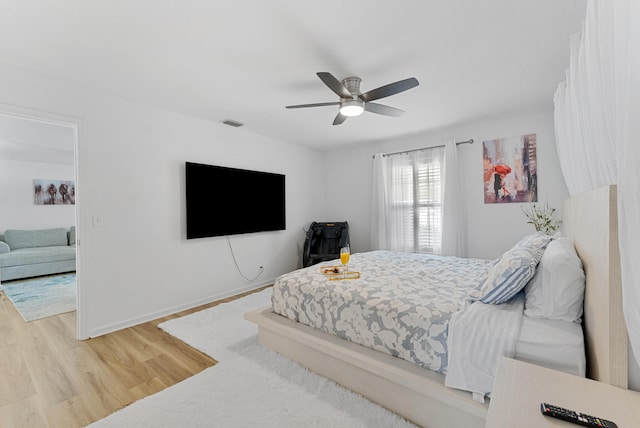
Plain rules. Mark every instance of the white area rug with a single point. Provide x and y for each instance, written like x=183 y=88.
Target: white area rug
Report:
x=250 y=387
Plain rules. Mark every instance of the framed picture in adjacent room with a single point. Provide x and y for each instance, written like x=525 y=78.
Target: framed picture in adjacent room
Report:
x=510 y=170
x=54 y=192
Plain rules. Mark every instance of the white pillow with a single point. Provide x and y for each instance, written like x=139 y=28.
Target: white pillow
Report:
x=513 y=270
x=556 y=291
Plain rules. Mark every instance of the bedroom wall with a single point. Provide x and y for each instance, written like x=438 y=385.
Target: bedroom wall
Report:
x=491 y=228
x=17 y=210
x=135 y=263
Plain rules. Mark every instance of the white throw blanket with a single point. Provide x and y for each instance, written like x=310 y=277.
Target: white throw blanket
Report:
x=478 y=336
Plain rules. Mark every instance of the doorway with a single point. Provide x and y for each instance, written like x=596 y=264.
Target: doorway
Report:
x=37 y=146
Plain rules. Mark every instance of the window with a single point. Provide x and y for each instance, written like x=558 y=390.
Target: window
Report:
x=415 y=201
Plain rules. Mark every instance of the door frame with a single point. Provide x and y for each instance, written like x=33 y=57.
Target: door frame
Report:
x=76 y=124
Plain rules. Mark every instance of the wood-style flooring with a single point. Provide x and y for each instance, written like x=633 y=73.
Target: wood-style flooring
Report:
x=50 y=379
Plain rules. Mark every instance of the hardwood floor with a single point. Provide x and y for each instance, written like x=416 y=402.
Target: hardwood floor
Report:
x=50 y=379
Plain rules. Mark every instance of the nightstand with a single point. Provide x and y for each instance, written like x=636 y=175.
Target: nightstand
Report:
x=520 y=387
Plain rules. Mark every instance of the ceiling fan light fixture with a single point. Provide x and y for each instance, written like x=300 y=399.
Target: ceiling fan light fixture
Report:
x=353 y=102
x=352 y=107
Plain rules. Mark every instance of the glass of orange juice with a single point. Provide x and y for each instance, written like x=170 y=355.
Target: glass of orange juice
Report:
x=345 y=253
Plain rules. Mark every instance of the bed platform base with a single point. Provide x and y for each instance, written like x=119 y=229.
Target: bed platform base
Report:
x=416 y=394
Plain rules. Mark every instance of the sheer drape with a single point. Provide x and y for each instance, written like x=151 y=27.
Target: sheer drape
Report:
x=401 y=217
x=393 y=227
x=453 y=210
x=411 y=194
x=597 y=133
x=380 y=203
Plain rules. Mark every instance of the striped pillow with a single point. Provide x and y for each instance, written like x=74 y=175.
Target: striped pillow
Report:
x=513 y=270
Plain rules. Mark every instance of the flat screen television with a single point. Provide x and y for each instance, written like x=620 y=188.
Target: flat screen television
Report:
x=229 y=201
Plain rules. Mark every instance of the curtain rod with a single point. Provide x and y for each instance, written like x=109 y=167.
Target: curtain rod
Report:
x=469 y=141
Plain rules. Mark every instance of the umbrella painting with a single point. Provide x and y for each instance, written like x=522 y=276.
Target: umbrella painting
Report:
x=510 y=170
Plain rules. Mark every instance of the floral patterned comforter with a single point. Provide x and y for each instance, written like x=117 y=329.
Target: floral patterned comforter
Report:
x=401 y=304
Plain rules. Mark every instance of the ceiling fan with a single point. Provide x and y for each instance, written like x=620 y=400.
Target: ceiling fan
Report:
x=354 y=103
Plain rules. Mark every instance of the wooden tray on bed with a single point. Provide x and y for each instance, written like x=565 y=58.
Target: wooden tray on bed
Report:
x=335 y=273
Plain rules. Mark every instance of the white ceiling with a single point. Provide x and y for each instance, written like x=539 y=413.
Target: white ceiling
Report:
x=246 y=59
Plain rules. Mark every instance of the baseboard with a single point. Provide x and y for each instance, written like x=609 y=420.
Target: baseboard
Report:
x=130 y=322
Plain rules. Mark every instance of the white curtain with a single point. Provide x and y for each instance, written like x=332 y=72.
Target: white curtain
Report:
x=380 y=204
x=401 y=221
x=453 y=209
x=407 y=203
x=393 y=191
x=597 y=110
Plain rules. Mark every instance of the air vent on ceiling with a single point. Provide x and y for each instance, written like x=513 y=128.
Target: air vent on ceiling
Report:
x=233 y=123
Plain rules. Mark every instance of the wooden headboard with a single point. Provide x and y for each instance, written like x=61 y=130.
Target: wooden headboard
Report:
x=591 y=221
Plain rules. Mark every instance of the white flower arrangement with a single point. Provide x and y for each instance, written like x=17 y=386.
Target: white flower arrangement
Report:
x=543 y=218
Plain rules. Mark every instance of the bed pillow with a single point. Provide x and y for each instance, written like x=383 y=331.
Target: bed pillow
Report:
x=513 y=270
x=557 y=289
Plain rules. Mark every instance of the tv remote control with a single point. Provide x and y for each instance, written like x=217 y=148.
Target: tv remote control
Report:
x=575 y=417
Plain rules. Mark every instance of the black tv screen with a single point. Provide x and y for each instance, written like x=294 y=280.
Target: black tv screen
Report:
x=229 y=201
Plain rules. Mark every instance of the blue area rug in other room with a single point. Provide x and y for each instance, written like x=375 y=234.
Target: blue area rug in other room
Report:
x=43 y=297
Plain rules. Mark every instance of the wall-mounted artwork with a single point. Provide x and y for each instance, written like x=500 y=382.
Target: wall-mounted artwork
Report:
x=510 y=170
x=54 y=192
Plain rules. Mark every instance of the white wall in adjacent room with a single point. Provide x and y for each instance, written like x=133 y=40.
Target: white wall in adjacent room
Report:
x=491 y=228
x=134 y=261
x=17 y=208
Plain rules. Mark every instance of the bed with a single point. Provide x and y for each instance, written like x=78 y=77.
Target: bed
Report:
x=424 y=383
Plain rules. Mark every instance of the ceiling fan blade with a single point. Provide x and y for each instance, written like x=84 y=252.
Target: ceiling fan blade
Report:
x=382 y=109
x=334 y=84
x=314 y=105
x=340 y=118
x=390 y=89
